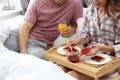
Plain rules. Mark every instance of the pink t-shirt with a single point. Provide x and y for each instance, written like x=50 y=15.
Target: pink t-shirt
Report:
x=45 y=14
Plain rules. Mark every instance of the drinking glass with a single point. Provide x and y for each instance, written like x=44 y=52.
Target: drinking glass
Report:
x=62 y=25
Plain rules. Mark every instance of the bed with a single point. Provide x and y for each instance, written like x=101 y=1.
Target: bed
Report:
x=13 y=23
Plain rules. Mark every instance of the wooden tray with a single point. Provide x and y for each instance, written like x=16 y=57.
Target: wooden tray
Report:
x=84 y=68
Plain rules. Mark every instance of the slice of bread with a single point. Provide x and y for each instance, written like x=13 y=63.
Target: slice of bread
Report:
x=98 y=58
x=86 y=51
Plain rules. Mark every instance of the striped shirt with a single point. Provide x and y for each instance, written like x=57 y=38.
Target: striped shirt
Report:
x=103 y=32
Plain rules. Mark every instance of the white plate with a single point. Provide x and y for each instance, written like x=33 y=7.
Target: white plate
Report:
x=90 y=61
x=61 y=50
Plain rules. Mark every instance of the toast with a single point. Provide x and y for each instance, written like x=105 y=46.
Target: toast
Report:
x=86 y=51
x=98 y=58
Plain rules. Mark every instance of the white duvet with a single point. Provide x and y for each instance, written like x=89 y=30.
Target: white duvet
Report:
x=15 y=66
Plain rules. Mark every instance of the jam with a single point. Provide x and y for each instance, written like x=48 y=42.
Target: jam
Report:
x=70 y=49
x=97 y=58
x=73 y=58
x=86 y=50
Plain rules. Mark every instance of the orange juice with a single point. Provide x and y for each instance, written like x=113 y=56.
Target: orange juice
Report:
x=62 y=27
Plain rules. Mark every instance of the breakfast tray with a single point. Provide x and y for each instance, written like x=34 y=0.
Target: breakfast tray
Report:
x=81 y=66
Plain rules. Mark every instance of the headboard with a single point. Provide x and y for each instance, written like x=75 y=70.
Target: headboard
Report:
x=24 y=4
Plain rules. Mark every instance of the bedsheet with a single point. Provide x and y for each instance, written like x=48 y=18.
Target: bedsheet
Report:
x=4 y=32
x=15 y=66
x=14 y=22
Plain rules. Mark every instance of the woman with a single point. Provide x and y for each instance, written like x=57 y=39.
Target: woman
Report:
x=101 y=26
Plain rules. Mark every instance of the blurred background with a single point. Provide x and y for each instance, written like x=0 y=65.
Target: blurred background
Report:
x=9 y=8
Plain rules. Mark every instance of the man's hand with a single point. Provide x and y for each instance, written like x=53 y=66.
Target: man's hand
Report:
x=68 y=32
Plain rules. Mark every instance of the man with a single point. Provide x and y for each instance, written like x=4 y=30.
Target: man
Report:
x=39 y=30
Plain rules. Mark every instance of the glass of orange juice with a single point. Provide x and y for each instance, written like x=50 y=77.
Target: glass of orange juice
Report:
x=62 y=25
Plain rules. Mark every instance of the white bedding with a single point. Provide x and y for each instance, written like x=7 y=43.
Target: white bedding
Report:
x=15 y=66
x=14 y=22
x=4 y=32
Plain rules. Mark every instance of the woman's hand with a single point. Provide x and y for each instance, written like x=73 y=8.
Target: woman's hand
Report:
x=80 y=41
x=99 y=47
x=96 y=48
x=71 y=42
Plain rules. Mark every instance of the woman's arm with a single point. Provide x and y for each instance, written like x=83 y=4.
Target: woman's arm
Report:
x=100 y=47
x=117 y=38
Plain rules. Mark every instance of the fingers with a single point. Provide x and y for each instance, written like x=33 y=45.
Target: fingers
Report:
x=67 y=32
x=70 y=42
x=92 y=46
x=94 y=50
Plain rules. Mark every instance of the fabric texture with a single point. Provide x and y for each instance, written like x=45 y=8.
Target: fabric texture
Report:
x=45 y=14
x=34 y=47
x=4 y=32
x=16 y=66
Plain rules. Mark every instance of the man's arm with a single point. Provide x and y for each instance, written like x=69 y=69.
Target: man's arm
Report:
x=24 y=35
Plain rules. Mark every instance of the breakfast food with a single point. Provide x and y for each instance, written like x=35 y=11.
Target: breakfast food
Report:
x=98 y=58
x=72 y=53
x=86 y=51
x=73 y=57
x=70 y=49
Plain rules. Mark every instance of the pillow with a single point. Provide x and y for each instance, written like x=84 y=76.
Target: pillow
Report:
x=24 y=4
x=4 y=32
x=79 y=25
